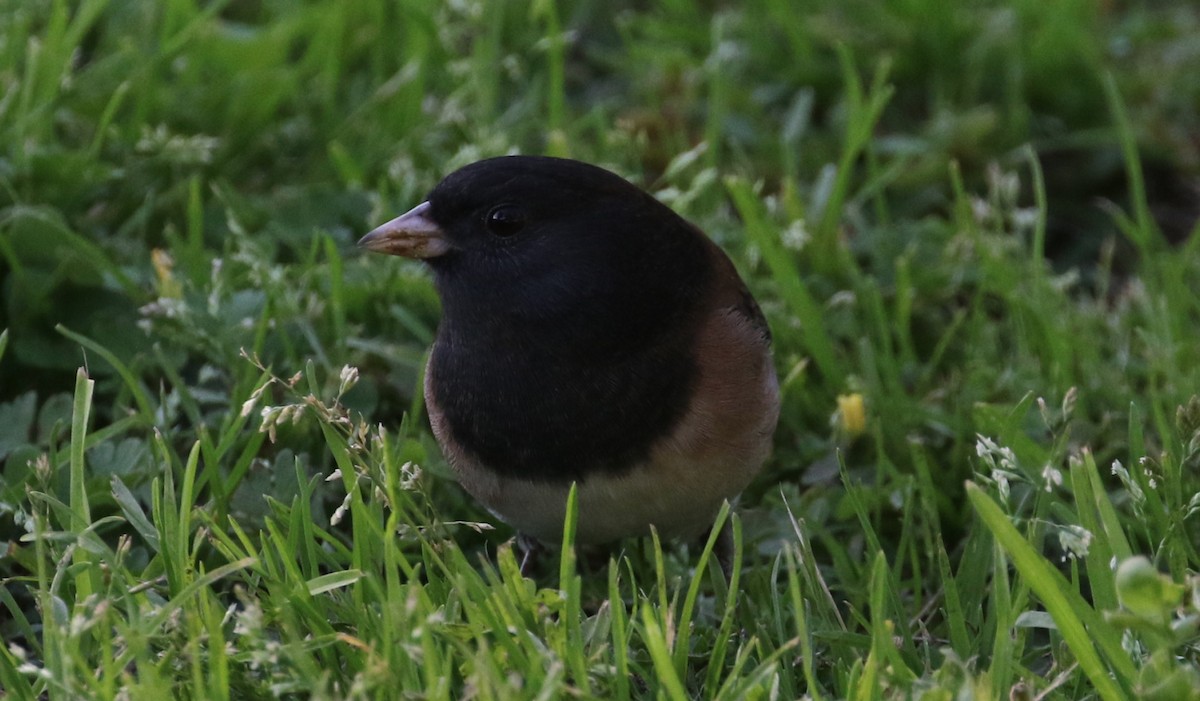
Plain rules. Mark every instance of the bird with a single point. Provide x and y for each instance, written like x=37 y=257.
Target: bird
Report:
x=590 y=336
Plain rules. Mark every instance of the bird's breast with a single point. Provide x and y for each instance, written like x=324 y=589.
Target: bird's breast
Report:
x=709 y=453
x=547 y=418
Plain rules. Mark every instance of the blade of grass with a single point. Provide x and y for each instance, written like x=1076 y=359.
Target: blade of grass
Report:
x=1144 y=232
x=569 y=583
x=81 y=516
x=134 y=513
x=683 y=638
x=620 y=628
x=660 y=654
x=135 y=388
x=864 y=108
x=792 y=288
x=1063 y=604
x=804 y=638
x=160 y=616
x=1000 y=671
x=955 y=615
x=1100 y=548
x=13 y=681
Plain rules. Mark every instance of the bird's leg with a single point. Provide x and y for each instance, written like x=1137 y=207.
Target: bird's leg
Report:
x=531 y=553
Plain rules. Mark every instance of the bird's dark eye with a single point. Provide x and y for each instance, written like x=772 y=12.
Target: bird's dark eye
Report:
x=505 y=220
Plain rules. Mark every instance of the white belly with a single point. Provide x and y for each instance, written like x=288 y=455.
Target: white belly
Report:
x=679 y=498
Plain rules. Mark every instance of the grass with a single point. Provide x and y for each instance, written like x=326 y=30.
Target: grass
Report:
x=970 y=228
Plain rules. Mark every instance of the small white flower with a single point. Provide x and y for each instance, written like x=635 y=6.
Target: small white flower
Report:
x=410 y=474
x=340 y=512
x=33 y=670
x=1052 y=477
x=1075 y=540
x=248 y=405
x=348 y=377
x=796 y=236
x=1135 y=492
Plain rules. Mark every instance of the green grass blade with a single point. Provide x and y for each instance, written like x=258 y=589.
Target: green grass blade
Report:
x=81 y=516
x=1144 y=232
x=131 y=382
x=1062 y=603
x=134 y=513
x=660 y=654
x=792 y=288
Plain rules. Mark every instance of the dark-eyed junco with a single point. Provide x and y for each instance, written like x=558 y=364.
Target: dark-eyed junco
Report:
x=589 y=334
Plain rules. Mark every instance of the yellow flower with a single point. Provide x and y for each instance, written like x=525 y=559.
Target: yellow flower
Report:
x=852 y=414
x=164 y=267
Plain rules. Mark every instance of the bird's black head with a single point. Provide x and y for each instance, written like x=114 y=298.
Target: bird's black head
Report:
x=570 y=300
x=498 y=206
x=537 y=250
